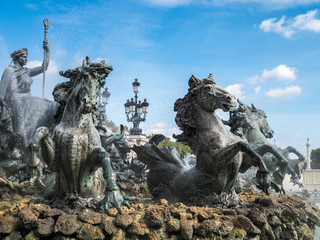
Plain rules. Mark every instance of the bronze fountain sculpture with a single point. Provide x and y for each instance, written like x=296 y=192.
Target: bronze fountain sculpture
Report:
x=74 y=150
x=251 y=124
x=220 y=153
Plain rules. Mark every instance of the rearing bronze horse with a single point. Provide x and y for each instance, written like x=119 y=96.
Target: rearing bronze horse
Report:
x=220 y=154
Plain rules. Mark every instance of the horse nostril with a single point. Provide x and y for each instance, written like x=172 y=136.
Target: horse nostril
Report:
x=229 y=98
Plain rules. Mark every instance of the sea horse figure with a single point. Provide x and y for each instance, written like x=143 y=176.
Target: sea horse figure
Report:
x=74 y=149
x=251 y=124
x=220 y=154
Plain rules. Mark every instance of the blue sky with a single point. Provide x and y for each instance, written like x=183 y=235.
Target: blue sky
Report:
x=265 y=52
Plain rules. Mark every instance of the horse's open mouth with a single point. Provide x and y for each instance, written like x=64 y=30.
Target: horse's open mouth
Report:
x=227 y=107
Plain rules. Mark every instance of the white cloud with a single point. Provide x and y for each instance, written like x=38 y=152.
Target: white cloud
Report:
x=290 y=26
x=287 y=92
x=52 y=70
x=257 y=90
x=236 y=89
x=272 y=25
x=281 y=73
x=162 y=128
x=307 y=21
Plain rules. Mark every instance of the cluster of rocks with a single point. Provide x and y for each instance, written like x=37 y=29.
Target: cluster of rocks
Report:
x=261 y=217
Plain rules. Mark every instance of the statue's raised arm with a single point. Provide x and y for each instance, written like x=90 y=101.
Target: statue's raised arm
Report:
x=37 y=70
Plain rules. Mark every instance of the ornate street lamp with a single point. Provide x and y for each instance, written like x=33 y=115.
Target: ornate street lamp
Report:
x=135 y=110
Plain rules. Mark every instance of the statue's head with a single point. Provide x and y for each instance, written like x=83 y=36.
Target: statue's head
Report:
x=259 y=119
x=209 y=95
x=87 y=81
x=20 y=56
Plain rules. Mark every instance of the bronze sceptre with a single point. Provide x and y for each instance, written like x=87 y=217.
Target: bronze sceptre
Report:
x=46 y=26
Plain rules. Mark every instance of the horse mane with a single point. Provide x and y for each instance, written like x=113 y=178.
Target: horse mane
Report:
x=62 y=91
x=184 y=108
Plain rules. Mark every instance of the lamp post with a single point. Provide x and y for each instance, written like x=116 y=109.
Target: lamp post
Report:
x=103 y=101
x=135 y=110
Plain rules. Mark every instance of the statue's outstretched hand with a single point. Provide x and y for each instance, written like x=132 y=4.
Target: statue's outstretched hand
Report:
x=113 y=196
x=115 y=199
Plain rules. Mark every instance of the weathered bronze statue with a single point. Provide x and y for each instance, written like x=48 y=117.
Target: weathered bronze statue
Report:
x=21 y=112
x=74 y=150
x=220 y=153
x=251 y=124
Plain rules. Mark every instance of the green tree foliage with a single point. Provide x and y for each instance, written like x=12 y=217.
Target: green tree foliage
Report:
x=315 y=158
x=167 y=143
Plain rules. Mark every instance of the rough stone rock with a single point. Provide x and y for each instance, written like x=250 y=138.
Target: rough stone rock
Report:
x=230 y=212
x=274 y=221
x=208 y=227
x=108 y=224
x=123 y=220
x=40 y=208
x=164 y=202
x=90 y=217
x=54 y=213
x=31 y=236
x=45 y=226
x=173 y=225
x=138 y=227
x=243 y=222
x=8 y=224
x=14 y=236
x=186 y=229
x=306 y=231
x=66 y=224
x=267 y=201
x=267 y=232
x=225 y=228
x=119 y=235
x=257 y=217
x=87 y=231
x=28 y=217
x=204 y=214
x=156 y=215
x=112 y=212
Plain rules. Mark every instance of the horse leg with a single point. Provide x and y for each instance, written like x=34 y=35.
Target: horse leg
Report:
x=230 y=151
x=282 y=162
x=298 y=167
x=100 y=158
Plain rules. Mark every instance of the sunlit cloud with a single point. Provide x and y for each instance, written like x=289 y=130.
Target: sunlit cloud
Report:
x=287 y=92
x=237 y=90
x=282 y=73
x=287 y=27
x=162 y=128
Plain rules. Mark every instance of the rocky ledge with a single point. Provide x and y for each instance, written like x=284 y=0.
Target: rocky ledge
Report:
x=261 y=217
